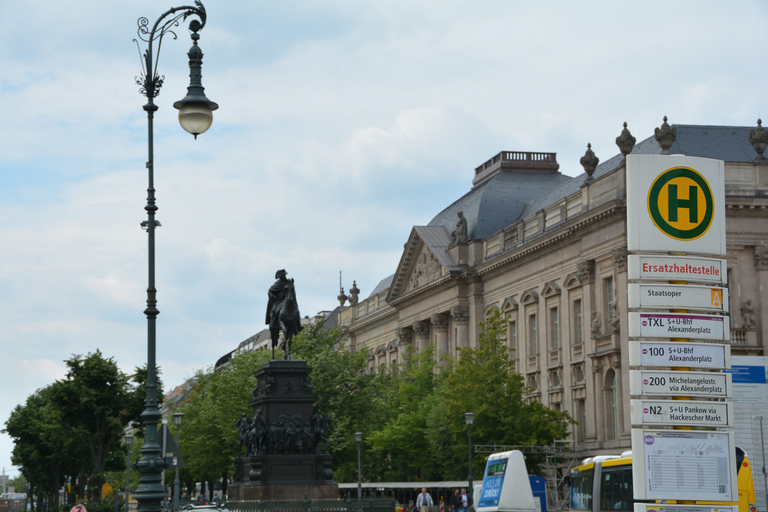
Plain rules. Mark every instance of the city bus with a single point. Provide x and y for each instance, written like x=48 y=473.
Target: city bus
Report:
x=604 y=483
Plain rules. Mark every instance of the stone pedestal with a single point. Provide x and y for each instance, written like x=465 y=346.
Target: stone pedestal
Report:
x=287 y=456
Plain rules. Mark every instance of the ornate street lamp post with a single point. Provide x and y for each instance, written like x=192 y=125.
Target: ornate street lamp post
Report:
x=359 y=439
x=177 y=417
x=195 y=117
x=469 y=417
x=128 y=438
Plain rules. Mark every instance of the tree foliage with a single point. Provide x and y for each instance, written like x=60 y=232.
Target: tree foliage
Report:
x=485 y=382
x=209 y=437
x=74 y=426
x=345 y=388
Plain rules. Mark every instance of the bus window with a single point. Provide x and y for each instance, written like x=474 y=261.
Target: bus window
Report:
x=581 y=490
x=616 y=489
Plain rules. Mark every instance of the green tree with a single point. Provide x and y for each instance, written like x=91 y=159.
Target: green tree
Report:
x=485 y=382
x=353 y=396
x=94 y=403
x=209 y=436
x=404 y=447
x=44 y=449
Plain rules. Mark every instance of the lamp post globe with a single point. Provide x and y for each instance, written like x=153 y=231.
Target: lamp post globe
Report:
x=150 y=490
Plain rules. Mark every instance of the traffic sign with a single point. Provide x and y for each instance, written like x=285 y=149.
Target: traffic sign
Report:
x=681 y=412
x=683 y=465
x=675 y=203
x=679 y=383
x=679 y=325
x=665 y=354
x=658 y=267
x=677 y=296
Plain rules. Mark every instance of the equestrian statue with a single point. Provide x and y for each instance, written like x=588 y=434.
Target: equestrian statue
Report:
x=283 y=313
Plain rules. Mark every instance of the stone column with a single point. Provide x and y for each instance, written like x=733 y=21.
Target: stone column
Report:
x=597 y=394
x=460 y=315
x=760 y=308
x=421 y=332
x=440 y=328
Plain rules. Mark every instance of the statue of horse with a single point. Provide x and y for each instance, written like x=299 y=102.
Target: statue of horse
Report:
x=287 y=319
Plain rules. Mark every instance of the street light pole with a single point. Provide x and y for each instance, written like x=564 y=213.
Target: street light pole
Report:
x=195 y=117
x=128 y=439
x=177 y=418
x=469 y=417
x=359 y=439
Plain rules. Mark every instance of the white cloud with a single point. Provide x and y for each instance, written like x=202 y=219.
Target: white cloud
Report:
x=340 y=126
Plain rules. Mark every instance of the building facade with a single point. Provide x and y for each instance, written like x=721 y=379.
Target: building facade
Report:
x=550 y=251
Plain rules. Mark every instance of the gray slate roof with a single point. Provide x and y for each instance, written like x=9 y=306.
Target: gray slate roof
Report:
x=383 y=285
x=512 y=196
x=438 y=240
x=498 y=202
x=728 y=143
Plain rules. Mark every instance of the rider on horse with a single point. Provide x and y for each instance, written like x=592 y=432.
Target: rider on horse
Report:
x=288 y=323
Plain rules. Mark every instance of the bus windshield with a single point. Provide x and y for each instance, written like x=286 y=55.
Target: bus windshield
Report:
x=581 y=490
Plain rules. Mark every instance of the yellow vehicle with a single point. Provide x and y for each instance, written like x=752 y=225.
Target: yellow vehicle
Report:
x=604 y=483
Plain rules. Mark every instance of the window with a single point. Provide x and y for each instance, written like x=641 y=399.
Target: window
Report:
x=616 y=489
x=554 y=328
x=554 y=379
x=578 y=323
x=609 y=300
x=513 y=338
x=533 y=346
x=581 y=417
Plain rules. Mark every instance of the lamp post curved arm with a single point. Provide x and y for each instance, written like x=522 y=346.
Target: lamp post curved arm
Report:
x=149 y=80
x=150 y=490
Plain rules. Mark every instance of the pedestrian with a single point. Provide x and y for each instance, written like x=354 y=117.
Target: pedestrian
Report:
x=411 y=507
x=78 y=508
x=456 y=501
x=424 y=501
x=464 y=501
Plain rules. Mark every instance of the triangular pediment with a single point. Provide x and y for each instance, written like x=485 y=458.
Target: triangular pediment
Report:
x=550 y=288
x=509 y=304
x=425 y=260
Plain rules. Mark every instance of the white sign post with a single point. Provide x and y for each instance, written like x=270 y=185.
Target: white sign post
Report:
x=665 y=354
x=679 y=325
x=660 y=267
x=681 y=412
x=674 y=383
x=683 y=465
x=675 y=204
x=677 y=296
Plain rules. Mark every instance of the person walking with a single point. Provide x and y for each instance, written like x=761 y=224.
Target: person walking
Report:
x=424 y=501
x=456 y=501
x=464 y=501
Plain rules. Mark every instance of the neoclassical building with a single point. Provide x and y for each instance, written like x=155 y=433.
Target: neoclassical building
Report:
x=550 y=251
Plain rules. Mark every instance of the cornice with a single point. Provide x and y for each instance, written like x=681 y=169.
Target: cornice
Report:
x=746 y=210
x=371 y=318
x=422 y=290
x=565 y=233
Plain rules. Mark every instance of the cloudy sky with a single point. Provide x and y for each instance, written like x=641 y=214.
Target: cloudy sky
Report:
x=341 y=125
